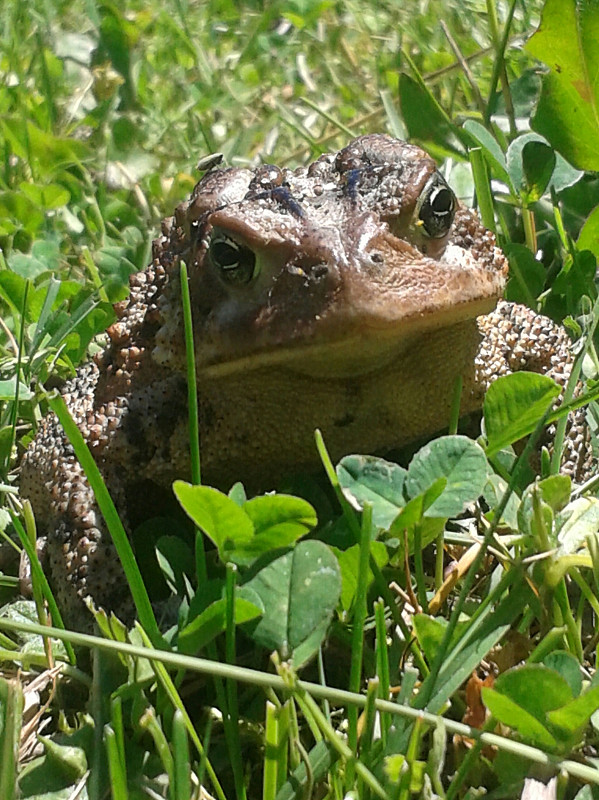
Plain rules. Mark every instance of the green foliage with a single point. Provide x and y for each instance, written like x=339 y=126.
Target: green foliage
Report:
x=567 y=110
x=104 y=111
x=458 y=461
x=366 y=479
x=243 y=533
x=212 y=621
x=541 y=705
x=299 y=592
x=513 y=406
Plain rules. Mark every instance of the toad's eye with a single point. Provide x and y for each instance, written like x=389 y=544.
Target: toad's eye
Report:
x=235 y=262
x=436 y=207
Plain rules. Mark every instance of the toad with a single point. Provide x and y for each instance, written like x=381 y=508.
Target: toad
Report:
x=347 y=295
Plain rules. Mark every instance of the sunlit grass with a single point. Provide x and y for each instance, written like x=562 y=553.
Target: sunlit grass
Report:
x=104 y=113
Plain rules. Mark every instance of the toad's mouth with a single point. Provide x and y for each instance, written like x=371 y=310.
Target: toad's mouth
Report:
x=354 y=347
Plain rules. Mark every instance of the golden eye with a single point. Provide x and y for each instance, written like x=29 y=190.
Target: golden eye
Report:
x=436 y=207
x=235 y=262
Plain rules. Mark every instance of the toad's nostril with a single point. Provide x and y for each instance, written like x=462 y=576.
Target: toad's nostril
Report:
x=318 y=271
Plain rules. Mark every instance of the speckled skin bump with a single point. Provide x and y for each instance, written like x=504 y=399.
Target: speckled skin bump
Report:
x=345 y=295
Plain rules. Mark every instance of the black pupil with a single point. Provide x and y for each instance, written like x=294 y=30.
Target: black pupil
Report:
x=442 y=201
x=225 y=254
x=437 y=209
x=235 y=261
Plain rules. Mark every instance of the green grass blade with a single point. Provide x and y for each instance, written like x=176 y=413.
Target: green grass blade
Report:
x=499 y=71
x=231 y=686
x=483 y=189
x=116 y=761
x=358 y=622
x=194 y=424
x=338 y=697
x=382 y=663
x=40 y=325
x=192 y=384
x=181 y=789
x=149 y=722
x=112 y=519
x=174 y=697
x=11 y=712
x=272 y=746
x=14 y=414
x=116 y=723
x=38 y=576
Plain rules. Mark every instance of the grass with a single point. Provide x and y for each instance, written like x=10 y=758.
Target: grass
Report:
x=104 y=114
